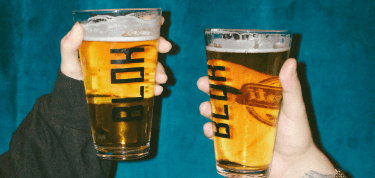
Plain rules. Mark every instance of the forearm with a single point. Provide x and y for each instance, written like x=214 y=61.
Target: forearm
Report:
x=54 y=140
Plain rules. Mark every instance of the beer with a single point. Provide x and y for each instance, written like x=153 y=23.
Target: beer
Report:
x=109 y=130
x=118 y=64
x=245 y=94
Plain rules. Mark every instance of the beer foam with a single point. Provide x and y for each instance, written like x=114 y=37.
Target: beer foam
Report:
x=246 y=46
x=121 y=39
x=121 y=28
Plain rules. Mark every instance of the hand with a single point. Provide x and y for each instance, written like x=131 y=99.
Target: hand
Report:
x=70 y=65
x=295 y=154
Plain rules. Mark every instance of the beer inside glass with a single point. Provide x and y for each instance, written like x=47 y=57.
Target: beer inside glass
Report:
x=118 y=57
x=245 y=93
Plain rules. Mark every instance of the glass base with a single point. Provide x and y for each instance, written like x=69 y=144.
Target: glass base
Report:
x=122 y=153
x=230 y=172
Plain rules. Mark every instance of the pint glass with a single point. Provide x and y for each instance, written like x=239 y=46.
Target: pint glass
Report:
x=245 y=93
x=118 y=57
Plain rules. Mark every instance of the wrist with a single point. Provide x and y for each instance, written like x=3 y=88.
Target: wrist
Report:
x=312 y=163
x=320 y=162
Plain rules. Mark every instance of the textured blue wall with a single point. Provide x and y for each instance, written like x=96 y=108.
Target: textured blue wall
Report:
x=336 y=55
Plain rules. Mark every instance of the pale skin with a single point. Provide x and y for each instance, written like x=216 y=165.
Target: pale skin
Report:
x=70 y=65
x=295 y=153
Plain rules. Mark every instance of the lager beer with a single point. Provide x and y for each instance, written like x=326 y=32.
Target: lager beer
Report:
x=118 y=57
x=245 y=93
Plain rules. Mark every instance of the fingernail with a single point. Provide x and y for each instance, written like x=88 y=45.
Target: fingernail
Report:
x=73 y=31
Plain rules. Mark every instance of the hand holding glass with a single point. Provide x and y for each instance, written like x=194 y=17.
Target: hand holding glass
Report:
x=245 y=92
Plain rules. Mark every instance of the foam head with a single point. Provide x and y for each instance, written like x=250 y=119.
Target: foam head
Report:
x=121 y=26
x=249 y=41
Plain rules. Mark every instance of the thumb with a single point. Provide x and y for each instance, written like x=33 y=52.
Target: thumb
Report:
x=293 y=105
x=293 y=135
x=69 y=45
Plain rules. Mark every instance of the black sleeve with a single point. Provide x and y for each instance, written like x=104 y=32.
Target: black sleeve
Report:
x=54 y=140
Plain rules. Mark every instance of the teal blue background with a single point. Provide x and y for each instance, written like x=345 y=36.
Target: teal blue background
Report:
x=335 y=49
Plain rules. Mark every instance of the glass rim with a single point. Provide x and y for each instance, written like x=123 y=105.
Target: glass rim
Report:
x=226 y=30
x=115 y=10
